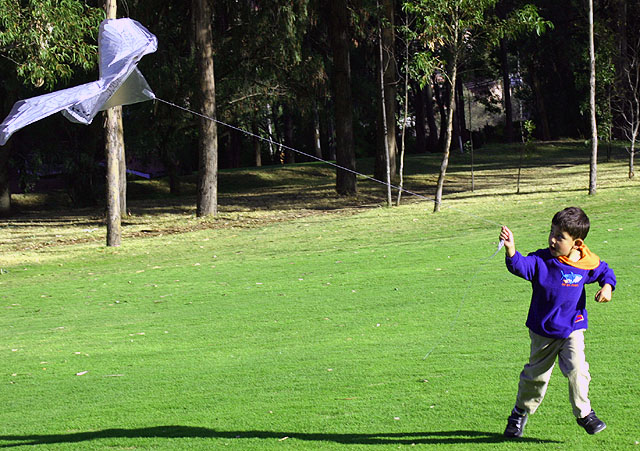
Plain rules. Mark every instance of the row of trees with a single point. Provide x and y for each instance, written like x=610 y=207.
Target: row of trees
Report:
x=312 y=75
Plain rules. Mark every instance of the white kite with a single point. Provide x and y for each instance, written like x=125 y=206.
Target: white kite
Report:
x=121 y=44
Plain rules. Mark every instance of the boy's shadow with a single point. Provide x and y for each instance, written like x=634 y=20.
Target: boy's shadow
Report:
x=172 y=432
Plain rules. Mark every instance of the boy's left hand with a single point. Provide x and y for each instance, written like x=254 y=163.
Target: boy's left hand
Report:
x=604 y=293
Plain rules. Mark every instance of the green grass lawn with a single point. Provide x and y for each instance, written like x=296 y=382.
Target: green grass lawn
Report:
x=311 y=333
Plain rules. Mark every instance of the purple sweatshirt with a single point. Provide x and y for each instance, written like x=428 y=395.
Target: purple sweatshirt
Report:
x=558 y=301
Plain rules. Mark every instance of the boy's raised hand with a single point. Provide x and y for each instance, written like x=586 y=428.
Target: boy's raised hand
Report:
x=509 y=243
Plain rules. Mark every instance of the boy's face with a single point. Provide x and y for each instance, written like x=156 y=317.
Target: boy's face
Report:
x=561 y=243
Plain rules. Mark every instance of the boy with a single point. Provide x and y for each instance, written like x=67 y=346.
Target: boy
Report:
x=558 y=316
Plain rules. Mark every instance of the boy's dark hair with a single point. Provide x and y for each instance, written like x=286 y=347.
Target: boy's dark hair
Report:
x=572 y=220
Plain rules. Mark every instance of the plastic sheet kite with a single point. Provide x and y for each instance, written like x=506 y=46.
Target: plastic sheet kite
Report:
x=121 y=44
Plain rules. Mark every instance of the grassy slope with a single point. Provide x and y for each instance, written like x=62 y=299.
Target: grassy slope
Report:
x=314 y=329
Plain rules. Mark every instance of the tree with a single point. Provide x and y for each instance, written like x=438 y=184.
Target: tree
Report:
x=449 y=28
x=405 y=113
x=432 y=139
x=506 y=89
x=341 y=78
x=388 y=67
x=114 y=153
x=627 y=102
x=445 y=26
x=593 y=167
x=207 y=203
x=383 y=109
x=517 y=18
x=163 y=134
x=503 y=53
x=43 y=43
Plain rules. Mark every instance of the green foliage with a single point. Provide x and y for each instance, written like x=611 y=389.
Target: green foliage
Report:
x=46 y=39
x=454 y=28
x=468 y=146
x=526 y=19
x=155 y=132
x=264 y=58
x=422 y=65
x=528 y=128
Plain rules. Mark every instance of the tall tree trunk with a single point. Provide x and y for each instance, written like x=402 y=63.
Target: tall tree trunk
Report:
x=543 y=118
x=620 y=10
x=632 y=154
x=272 y=149
x=257 y=145
x=278 y=135
x=5 y=192
x=593 y=167
x=448 y=133
x=287 y=119
x=114 y=149
x=207 y=204
x=317 y=143
x=383 y=109
x=506 y=91
x=432 y=141
x=441 y=101
x=389 y=67
x=122 y=166
x=331 y=137
x=421 y=120
x=345 y=153
x=473 y=178
x=8 y=89
x=459 y=117
x=405 y=116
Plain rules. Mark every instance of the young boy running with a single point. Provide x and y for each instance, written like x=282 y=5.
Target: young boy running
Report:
x=558 y=316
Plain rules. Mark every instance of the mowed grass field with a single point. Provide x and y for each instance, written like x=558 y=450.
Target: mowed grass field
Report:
x=304 y=326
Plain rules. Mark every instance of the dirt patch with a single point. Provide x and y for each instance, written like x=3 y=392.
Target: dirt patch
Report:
x=31 y=230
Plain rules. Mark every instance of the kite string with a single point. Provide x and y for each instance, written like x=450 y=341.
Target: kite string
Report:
x=269 y=140
x=330 y=163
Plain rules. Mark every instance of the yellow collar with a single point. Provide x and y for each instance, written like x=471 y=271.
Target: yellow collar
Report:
x=588 y=260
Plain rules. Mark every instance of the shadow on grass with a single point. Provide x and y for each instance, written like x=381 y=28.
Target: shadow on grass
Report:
x=177 y=432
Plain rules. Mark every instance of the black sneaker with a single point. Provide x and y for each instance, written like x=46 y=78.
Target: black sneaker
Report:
x=515 y=424
x=591 y=423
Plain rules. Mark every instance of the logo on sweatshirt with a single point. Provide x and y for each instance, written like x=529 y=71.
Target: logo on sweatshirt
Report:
x=571 y=279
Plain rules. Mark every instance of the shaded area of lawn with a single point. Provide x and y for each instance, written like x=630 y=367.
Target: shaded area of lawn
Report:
x=251 y=197
x=462 y=437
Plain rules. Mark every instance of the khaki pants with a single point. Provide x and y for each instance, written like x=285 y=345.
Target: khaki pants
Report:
x=535 y=376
